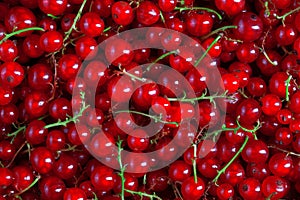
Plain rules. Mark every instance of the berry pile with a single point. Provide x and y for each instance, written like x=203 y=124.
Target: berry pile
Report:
x=140 y=99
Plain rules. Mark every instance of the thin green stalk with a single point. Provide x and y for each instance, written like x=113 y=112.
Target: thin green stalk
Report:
x=199 y=8
x=218 y=30
x=287 y=84
x=160 y=58
x=142 y=194
x=30 y=186
x=21 y=31
x=287 y=14
x=231 y=161
x=195 y=163
x=155 y=118
x=208 y=49
x=70 y=119
x=122 y=169
x=202 y=97
x=73 y=27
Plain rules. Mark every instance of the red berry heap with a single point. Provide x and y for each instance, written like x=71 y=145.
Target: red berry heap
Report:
x=78 y=94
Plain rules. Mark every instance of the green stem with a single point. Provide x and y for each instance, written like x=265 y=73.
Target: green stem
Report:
x=122 y=169
x=107 y=29
x=134 y=77
x=53 y=16
x=162 y=17
x=70 y=119
x=208 y=49
x=142 y=194
x=288 y=13
x=202 y=97
x=231 y=161
x=73 y=27
x=287 y=84
x=269 y=59
x=218 y=30
x=156 y=118
x=160 y=58
x=199 y=8
x=30 y=186
x=14 y=134
x=21 y=31
x=195 y=163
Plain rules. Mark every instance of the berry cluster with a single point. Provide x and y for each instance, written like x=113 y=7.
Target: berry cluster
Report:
x=207 y=108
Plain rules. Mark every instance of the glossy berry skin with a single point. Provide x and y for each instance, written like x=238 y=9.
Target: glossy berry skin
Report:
x=234 y=174
x=31 y=46
x=51 y=41
x=103 y=178
x=225 y=191
x=256 y=86
x=250 y=188
x=277 y=84
x=6 y=177
x=119 y=52
x=11 y=74
x=275 y=184
x=19 y=18
x=86 y=47
x=283 y=136
x=271 y=104
x=52 y=187
x=23 y=177
x=147 y=13
x=8 y=51
x=294 y=103
x=36 y=104
x=74 y=193
x=248 y=111
x=285 y=35
x=247 y=52
x=60 y=109
x=167 y=5
x=7 y=150
x=122 y=13
x=42 y=160
x=230 y=7
x=9 y=113
x=179 y=171
x=40 y=77
x=53 y=7
x=199 y=24
x=35 y=132
x=68 y=66
x=249 y=26
x=191 y=190
x=91 y=24
x=256 y=151
x=280 y=164
x=65 y=167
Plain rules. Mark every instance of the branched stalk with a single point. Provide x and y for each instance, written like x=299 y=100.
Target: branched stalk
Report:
x=231 y=161
x=155 y=118
x=122 y=169
x=202 y=97
x=71 y=119
x=199 y=8
x=287 y=14
x=143 y=194
x=284 y=151
x=73 y=27
x=21 y=31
